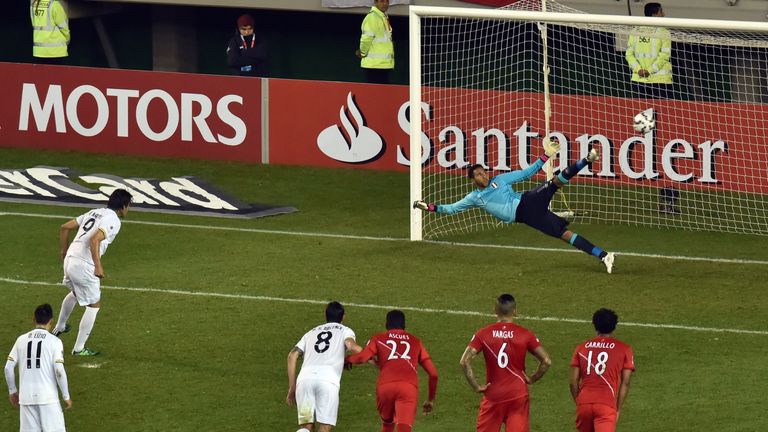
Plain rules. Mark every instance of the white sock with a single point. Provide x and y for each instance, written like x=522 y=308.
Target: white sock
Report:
x=303 y=430
x=86 y=325
x=67 y=306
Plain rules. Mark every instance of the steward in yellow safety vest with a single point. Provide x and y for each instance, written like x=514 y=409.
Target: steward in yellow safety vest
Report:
x=649 y=51
x=377 y=52
x=649 y=54
x=50 y=29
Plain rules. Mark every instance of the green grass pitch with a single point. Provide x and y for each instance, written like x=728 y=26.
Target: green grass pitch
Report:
x=197 y=321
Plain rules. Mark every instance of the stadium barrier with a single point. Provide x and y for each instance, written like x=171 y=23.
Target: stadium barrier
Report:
x=335 y=124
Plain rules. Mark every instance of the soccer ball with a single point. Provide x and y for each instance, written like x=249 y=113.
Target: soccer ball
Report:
x=645 y=121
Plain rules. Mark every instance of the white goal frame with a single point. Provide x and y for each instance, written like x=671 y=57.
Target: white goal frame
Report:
x=414 y=40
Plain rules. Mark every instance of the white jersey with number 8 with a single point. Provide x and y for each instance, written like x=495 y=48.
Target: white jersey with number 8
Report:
x=103 y=219
x=324 y=350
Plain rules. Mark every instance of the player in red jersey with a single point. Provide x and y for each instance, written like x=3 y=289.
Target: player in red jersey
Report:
x=600 y=371
x=504 y=345
x=398 y=355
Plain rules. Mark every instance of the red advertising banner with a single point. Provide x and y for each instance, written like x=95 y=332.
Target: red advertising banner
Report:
x=695 y=144
x=130 y=112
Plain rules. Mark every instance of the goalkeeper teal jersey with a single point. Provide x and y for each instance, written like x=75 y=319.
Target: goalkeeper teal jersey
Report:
x=498 y=198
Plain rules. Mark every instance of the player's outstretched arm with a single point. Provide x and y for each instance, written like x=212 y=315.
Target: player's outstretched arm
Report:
x=544 y=363
x=469 y=373
x=352 y=346
x=64 y=236
x=363 y=356
x=550 y=149
x=293 y=358
x=461 y=205
x=10 y=379
x=95 y=243
x=626 y=374
x=61 y=380
x=424 y=206
x=431 y=370
x=575 y=379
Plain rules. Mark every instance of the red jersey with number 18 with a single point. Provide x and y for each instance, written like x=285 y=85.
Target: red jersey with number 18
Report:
x=601 y=361
x=504 y=346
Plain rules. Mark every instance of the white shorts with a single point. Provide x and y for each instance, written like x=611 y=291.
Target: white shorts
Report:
x=80 y=278
x=317 y=401
x=42 y=418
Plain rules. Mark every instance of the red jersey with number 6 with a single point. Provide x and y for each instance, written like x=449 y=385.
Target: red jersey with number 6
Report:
x=601 y=361
x=504 y=346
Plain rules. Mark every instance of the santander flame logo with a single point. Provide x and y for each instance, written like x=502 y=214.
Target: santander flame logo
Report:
x=360 y=143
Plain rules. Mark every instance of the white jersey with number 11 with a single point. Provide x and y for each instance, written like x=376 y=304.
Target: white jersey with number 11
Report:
x=36 y=353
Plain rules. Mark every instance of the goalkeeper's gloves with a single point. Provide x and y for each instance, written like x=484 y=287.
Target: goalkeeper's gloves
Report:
x=550 y=149
x=421 y=205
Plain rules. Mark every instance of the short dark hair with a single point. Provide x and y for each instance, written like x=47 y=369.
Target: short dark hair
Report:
x=334 y=312
x=605 y=321
x=119 y=199
x=505 y=304
x=652 y=9
x=471 y=170
x=43 y=314
x=395 y=320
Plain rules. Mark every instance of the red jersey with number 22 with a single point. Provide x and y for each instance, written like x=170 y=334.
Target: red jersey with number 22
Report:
x=504 y=346
x=601 y=361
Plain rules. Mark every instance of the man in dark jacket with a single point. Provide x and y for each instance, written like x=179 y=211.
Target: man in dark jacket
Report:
x=246 y=54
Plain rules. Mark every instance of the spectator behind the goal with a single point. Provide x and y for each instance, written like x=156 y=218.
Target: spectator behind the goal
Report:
x=50 y=31
x=649 y=55
x=246 y=52
x=377 y=52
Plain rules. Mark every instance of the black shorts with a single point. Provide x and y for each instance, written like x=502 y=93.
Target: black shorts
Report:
x=533 y=211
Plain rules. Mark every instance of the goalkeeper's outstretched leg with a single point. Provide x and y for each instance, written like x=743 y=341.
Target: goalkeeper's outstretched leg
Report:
x=564 y=177
x=586 y=246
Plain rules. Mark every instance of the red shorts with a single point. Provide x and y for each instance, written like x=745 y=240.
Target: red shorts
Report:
x=595 y=418
x=397 y=402
x=512 y=413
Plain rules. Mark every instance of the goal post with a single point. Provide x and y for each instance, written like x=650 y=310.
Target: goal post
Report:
x=480 y=93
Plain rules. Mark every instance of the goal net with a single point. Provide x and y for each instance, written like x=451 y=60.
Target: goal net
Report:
x=492 y=84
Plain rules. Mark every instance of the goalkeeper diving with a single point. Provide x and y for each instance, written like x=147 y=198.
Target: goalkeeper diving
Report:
x=498 y=197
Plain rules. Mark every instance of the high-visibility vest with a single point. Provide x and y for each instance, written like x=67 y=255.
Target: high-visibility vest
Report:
x=650 y=48
x=376 y=41
x=50 y=28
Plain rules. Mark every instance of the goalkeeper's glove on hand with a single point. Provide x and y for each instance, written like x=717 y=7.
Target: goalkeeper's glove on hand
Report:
x=421 y=205
x=550 y=149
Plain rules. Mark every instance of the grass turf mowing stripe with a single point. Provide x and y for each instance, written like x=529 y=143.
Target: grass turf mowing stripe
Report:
x=389 y=307
x=372 y=238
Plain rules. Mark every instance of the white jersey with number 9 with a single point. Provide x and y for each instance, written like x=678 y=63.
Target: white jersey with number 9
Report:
x=103 y=219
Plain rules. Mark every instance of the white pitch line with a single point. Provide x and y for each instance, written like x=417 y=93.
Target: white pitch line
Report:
x=403 y=239
x=389 y=307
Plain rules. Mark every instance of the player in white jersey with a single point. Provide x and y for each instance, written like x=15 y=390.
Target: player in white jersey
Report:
x=83 y=271
x=316 y=390
x=40 y=356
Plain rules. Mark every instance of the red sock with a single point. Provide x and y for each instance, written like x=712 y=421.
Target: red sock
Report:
x=403 y=428
x=387 y=427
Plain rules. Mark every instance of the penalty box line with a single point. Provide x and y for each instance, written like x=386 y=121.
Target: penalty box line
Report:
x=389 y=307
x=402 y=239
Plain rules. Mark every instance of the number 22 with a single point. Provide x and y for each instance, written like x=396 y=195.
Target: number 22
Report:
x=393 y=350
